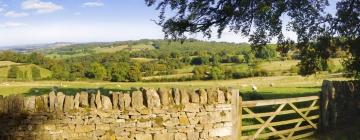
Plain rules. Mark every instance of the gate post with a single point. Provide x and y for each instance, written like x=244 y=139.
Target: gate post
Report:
x=236 y=103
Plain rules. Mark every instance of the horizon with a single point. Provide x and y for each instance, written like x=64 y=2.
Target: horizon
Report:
x=31 y=22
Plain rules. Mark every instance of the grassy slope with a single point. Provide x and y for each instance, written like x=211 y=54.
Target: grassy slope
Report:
x=25 y=68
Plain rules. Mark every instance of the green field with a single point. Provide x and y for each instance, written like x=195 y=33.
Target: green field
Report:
x=283 y=86
x=5 y=66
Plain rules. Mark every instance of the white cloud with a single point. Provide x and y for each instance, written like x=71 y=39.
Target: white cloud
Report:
x=15 y=14
x=2 y=9
x=93 y=4
x=11 y=24
x=41 y=6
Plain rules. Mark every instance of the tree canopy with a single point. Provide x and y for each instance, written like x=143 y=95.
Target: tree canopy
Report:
x=318 y=31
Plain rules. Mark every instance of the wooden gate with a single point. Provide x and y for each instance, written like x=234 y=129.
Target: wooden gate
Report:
x=291 y=118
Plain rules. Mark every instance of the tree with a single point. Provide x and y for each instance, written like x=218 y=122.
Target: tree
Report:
x=13 y=72
x=96 y=71
x=200 y=72
x=134 y=73
x=261 y=21
x=216 y=73
x=284 y=46
x=35 y=72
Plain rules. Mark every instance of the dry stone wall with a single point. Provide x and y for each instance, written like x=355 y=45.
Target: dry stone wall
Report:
x=340 y=103
x=147 y=114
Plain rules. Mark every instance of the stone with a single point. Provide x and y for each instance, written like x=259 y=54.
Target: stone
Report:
x=184 y=96
x=137 y=100
x=29 y=103
x=115 y=100
x=165 y=136
x=98 y=100
x=183 y=120
x=180 y=136
x=1 y=104
x=203 y=96
x=192 y=107
x=121 y=101
x=176 y=96
x=39 y=104
x=106 y=102
x=193 y=135
x=152 y=98
x=143 y=137
x=45 y=99
x=52 y=98
x=165 y=96
x=221 y=96
x=69 y=103
x=92 y=101
x=212 y=96
x=84 y=99
x=77 y=101
x=220 y=132
x=228 y=96
x=59 y=101
x=194 y=97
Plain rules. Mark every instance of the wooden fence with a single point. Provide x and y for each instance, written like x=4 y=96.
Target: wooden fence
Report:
x=291 y=118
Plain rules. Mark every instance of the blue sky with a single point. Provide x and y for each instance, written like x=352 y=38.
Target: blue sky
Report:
x=48 y=21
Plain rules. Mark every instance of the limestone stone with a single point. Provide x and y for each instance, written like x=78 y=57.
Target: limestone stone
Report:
x=165 y=136
x=98 y=100
x=171 y=122
x=106 y=102
x=39 y=104
x=137 y=100
x=29 y=103
x=228 y=96
x=52 y=98
x=121 y=101
x=92 y=100
x=221 y=96
x=143 y=137
x=220 y=132
x=180 y=136
x=77 y=101
x=115 y=100
x=69 y=103
x=184 y=96
x=193 y=135
x=143 y=124
x=176 y=96
x=203 y=96
x=194 y=97
x=102 y=127
x=84 y=99
x=59 y=101
x=127 y=99
x=212 y=96
x=192 y=107
x=1 y=104
x=152 y=98
x=183 y=120
x=45 y=99
x=165 y=96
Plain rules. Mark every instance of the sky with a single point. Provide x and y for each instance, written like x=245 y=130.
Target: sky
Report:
x=48 y=21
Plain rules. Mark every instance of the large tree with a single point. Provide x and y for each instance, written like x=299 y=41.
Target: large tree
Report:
x=262 y=20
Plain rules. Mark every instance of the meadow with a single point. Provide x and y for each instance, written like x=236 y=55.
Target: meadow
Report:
x=268 y=87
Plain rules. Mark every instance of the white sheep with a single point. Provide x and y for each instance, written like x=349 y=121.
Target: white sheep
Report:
x=254 y=88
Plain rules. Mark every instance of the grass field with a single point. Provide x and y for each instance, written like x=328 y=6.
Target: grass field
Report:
x=23 y=67
x=283 y=86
